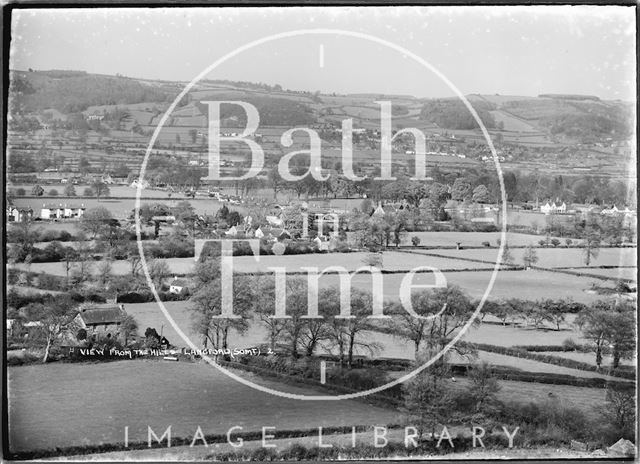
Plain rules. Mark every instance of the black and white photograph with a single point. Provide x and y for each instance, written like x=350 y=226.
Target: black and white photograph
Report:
x=320 y=233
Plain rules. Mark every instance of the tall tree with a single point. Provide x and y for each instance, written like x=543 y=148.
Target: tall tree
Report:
x=55 y=318
x=347 y=334
x=530 y=256
x=100 y=189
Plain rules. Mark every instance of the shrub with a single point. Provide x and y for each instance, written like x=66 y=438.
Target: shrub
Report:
x=486 y=244
x=53 y=193
x=20 y=192
x=555 y=242
x=415 y=240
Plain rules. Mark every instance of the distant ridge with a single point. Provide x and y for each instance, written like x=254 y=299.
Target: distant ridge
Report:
x=567 y=96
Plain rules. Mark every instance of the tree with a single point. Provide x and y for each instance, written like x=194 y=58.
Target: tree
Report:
x=591 y=235
x=461 y=190
x=95 y=221
x=56 y=318
x=296 y=307
x=134 y=259
x=373 y=260
x=555 y=310
x=500 y=310
x=70 y=191
x=530 y=256
x=621 y=333
x=427 y=400
x=344 y=333
x=620 y=410
x=507 y=256
x=275 y=181
x=158 y=271
x=105 y=270
x=206 y=307
x=445 y=309
x=81 y=268
x=535 y=313
x=23 y=235
x=99 y=189
x=264 y=308
x=510 y=185
x=128 y=328
x=483 y=387
x=481 y=194
x=37 y=191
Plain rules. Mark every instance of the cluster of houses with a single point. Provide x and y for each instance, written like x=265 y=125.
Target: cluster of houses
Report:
x=15 y=214
x=54 y=212
x=553 y=208
x=614 y=211
x=48 y=212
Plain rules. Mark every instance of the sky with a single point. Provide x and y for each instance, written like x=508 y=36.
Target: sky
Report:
x=509 y=50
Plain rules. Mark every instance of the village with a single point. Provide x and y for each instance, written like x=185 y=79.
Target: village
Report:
x=318 y=251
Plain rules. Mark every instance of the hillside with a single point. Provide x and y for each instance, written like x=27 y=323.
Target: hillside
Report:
x=138 y=104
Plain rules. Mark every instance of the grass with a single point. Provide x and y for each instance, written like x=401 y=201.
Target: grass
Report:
x=589 y=357
x=561 y=257
x=150 y=315
x=528 y=285
x=88 y=404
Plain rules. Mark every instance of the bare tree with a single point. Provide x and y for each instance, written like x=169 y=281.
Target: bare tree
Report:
x=54 y=320
x=346 y=334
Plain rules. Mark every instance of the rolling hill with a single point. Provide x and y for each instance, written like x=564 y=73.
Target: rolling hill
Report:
x=564 y=118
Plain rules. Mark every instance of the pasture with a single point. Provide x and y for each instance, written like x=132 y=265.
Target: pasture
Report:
x=528 y=285
x=552 y=257
x=88 y=404
x=390 y=346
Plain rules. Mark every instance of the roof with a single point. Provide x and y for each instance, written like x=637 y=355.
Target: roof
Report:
x=179 y=283
x=106 y=314
x=51 y=206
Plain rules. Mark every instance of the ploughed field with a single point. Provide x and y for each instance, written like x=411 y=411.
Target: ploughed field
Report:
x=87 y=404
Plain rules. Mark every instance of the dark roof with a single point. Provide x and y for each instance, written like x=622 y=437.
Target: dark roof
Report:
x=179 y=282
x=108 y=314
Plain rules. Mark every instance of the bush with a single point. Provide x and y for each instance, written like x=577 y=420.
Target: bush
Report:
x=550 y=359
x=53 y=193
x=487 y=244
x=415 y=240
x=20 y=192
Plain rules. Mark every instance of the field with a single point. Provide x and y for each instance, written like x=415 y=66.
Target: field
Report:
x=530 y=285
x=88 y=404
x=551 y=258
x=92 y=403
x=150 y=315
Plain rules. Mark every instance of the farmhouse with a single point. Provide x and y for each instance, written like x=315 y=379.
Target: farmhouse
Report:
x=177 y=286
x=101 y=320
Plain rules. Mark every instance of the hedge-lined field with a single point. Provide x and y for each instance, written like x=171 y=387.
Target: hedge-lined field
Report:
x=89 y=404
x=551 y=257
